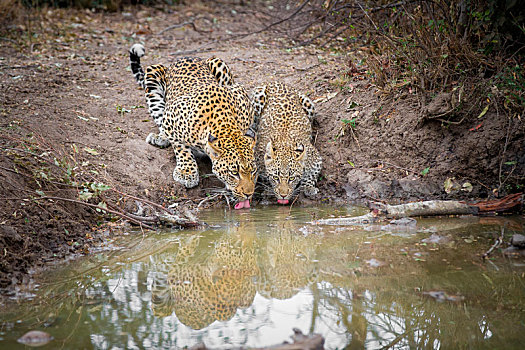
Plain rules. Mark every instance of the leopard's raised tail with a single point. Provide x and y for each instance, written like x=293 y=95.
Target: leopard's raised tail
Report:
x=135 y=53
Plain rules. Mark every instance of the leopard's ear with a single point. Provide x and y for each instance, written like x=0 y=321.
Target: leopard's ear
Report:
x=211 y=138
x=269 y=155
x=212 y=148
x=300 y=152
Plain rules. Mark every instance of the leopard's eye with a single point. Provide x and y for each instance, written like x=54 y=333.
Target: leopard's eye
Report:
x=235 y=171
x=275 y=178
x=291 y=179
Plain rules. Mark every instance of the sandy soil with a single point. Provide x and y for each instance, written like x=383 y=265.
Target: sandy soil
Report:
x=69 y=81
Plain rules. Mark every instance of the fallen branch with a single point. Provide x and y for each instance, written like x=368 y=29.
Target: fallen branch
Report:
x=159 y=219
x=191 y=52
x=8 y=39
x=180 y=25
x=163 y=219
x=426 y=208
x=118 y=213
x=369 y=218
x=303 y=69
x=382 y=211
x=208 y=199
x=143 y=200
x=300 y=342
x=242 y=35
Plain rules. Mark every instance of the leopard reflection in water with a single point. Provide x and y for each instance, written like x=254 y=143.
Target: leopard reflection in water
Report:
x=210 y=280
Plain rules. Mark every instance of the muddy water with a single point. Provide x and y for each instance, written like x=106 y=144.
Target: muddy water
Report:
x=255 y=274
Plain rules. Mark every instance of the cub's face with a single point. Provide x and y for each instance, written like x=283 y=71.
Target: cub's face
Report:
x=284 y=168
x=233 y=162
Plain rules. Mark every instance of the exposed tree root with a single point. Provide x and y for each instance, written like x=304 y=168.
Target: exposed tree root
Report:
x=505 y=204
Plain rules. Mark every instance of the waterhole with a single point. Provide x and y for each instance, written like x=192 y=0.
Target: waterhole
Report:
x=252 y=276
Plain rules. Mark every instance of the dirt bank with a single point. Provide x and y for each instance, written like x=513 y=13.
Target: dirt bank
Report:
x=68 y=94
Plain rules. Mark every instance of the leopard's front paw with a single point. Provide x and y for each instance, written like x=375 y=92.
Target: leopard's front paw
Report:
x=311 y=191
x=157 y=141
x=186 y=177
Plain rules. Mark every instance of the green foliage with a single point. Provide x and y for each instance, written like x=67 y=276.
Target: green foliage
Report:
x=55 y=170
x=511 y=82
x=450 y=46
x=494 y=23
x=90 y=190
x=351 y=122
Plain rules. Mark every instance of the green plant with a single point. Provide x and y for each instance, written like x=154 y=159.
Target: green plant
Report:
x=351 y=122
x=511 y=81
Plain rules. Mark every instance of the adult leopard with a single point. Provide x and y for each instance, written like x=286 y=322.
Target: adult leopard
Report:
x=196 y=105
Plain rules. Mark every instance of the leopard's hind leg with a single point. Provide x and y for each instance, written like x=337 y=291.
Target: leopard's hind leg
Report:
x=314 y=162
x=155 y=83
x=258 y=99
x=314 y=165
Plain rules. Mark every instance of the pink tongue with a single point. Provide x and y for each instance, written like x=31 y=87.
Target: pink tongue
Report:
x=282 y=201
x=243 y=204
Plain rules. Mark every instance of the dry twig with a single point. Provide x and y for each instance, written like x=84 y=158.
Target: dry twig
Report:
x=180 y=25
x=496 y=244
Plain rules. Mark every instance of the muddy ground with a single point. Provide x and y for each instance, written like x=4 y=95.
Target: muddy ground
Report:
x=67 y=89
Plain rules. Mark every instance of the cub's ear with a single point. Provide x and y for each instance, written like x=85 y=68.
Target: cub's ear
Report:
x=251 y=134
x=212 y=148
x=299 y=152
x=269 y=155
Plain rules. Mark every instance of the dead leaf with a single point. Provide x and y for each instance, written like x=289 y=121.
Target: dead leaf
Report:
x=326 y=98
x=35 y=338
x=91 y=151
x=442 y=296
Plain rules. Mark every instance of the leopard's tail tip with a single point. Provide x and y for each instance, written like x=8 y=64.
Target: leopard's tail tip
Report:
x=137 y=50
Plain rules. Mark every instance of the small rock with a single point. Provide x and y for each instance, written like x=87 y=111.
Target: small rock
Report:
x=437 y=239
x=518 y=240
x=375 y=263
x=405 y=225
x=411 y=186
x=441 y=104
x=442 y=296
x=35 y=338
x=404 y=222
x=513 y=251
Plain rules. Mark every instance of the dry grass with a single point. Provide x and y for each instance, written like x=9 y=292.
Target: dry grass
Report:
x=11 y=11
x=471 y=51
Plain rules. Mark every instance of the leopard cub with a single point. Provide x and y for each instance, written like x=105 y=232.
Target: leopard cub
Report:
x=284 y=151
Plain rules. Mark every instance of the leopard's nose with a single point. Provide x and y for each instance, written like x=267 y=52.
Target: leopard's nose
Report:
x=284 y=191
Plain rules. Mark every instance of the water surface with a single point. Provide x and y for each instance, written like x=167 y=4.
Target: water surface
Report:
x=253 y=275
